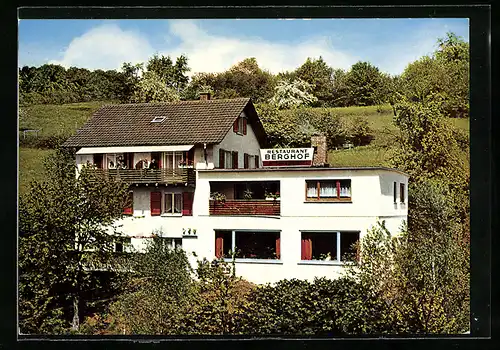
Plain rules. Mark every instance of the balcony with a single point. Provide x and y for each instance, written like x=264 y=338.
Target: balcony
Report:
x=245 y=207
x=151 y=176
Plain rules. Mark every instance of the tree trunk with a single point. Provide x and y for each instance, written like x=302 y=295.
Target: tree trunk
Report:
x=76 y=316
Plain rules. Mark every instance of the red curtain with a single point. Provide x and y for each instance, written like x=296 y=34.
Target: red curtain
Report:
x=235 y=125
x=155 y=203
x=187 y=203
x=278 y=247
x=306 y=248
x=219 y=244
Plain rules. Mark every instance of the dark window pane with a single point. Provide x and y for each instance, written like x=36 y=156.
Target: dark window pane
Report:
x=324 y=245
x=347 y=240
x=256 y=245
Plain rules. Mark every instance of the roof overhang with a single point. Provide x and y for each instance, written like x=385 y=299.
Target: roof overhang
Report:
x=134 y=149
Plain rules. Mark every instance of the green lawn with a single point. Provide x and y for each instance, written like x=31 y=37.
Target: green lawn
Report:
x=58 y=119
x=31 y=166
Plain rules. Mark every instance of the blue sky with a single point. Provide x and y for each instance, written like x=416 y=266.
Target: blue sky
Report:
x=214 y=45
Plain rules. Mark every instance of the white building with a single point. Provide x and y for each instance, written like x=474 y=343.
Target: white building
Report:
x=213 y=146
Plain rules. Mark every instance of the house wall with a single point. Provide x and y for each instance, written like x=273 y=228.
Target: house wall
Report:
x=369 y=204
x=237 y=142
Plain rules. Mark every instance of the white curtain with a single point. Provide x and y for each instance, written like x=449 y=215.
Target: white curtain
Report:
x=177 y=203
x=328 y=189
x=168 y=203
x=312 y=190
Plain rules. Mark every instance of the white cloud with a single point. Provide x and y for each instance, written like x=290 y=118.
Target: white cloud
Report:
x=108 y=46
x=105 y=47
x=212 y=53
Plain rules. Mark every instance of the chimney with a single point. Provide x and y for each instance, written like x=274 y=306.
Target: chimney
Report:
x=318 y=142
x=205 y=96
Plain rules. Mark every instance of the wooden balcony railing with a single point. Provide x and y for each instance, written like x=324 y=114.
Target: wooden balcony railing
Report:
x=245 y=207
x=151 y=176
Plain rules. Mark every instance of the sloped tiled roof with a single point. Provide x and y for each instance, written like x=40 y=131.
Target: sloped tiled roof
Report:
x=187 y=122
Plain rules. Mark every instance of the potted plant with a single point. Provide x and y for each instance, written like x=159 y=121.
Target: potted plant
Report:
x=218 y=197
x=247 y=194
x=272 y=196
x=185 y=164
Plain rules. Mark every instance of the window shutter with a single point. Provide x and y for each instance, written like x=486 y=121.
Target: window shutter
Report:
x=235 y=125
x=187 y=203
x=244 y=126
x=402 y=192
x=278 y=247
x=129 y=207
x=245 y=160
x=221 y=158
x=219 y=245
x=256 y=161
x=155 y=203
x=235 y=160
x=394 y=195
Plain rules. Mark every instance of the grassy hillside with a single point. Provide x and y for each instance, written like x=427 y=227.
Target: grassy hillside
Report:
x=65 y=119
x=31 y=166
x=58 y=119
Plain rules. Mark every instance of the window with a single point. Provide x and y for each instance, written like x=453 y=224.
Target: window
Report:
x=240 y=126
x=328 y=190
x=115 y=161
x=329 y=246
x=119 y=246
x=226 y=159
x=394 y=191
x=402 y=192
x=173 y=203
x=172 y=243
x=247 y=244
x=158 y=119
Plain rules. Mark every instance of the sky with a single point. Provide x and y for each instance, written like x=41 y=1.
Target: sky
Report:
x=214 y=45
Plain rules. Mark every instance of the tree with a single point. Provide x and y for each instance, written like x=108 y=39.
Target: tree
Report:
x=292 y=94
x=444 y=77
x=320 y=76
x=421 y=276
x=157 y=293
x=151 y=88
x=65 y=232
x=364 y=81
x=174 y=75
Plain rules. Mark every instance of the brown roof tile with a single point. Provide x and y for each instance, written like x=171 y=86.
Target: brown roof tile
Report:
x=187 y=122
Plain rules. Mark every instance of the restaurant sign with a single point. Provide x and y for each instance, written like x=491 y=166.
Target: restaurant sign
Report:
x=287 y=157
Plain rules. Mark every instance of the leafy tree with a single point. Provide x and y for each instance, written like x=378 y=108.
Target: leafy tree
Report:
x=174 y=75
x=444 y=77
x=364 y=81
x=320 y=76
x=293 y=94
x=157 y=293
x=64 y=234
x=420 y=275
x=151 y=88
x=340 y=89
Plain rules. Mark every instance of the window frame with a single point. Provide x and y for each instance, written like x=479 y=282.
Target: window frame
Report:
x=337 y=238
x=164 y=203
x=402 y=193
x=233 y=245
x=328 y=199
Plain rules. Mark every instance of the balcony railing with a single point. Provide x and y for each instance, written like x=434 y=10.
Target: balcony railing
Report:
x=245 y=207
x=151 y=176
